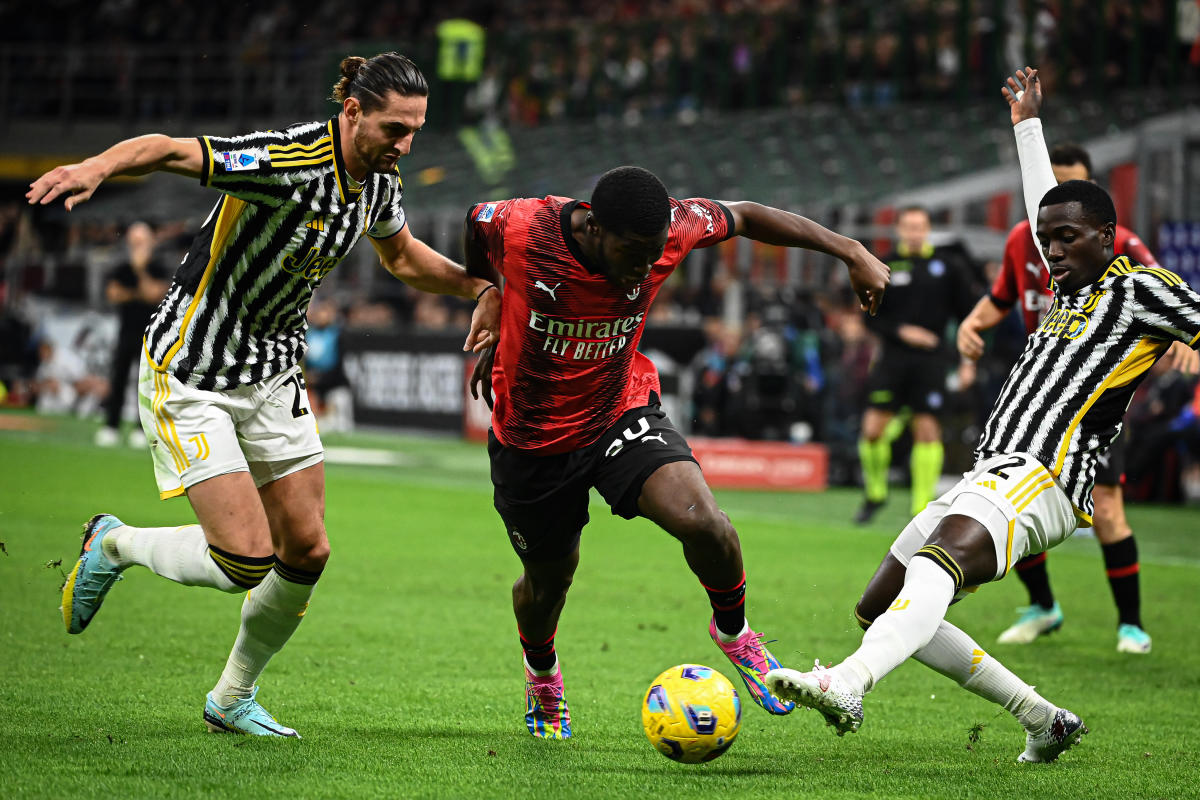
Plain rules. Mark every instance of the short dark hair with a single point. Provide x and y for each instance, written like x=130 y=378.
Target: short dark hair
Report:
x=368 y=80
x=1069 y=154
x=631 y=200
x=1097 y=205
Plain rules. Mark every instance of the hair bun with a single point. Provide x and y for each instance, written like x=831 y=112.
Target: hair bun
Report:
x=351 y=65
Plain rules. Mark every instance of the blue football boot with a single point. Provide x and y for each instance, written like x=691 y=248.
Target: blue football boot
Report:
x=93 y=575
x=244 y=716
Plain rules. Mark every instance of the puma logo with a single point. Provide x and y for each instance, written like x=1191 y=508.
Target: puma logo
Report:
x=634 y=294
x=547 y=289
x=654 y=436
x=1036 y=269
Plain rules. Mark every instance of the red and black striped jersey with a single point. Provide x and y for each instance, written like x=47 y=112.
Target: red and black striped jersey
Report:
x=567 y=364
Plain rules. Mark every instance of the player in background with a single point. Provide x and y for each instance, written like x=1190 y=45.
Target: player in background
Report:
x=1061 y=405
x=929 y=285
x=221 y=392
x=134 y=287
x=576 y=406
x=1022 y=282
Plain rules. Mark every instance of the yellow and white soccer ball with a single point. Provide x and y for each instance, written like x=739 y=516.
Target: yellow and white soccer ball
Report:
x=691 y=713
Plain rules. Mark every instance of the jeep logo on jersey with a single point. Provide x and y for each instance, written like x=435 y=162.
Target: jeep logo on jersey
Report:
x=1065 y=324
x=584 y=339
x=312 y=267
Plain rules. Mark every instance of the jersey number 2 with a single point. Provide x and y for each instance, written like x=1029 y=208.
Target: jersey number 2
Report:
x=297 y=409
x=998 y=470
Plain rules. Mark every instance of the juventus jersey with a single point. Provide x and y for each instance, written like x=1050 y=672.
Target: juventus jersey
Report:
x=1065 y=397
x=289 y=212
x=567 y=365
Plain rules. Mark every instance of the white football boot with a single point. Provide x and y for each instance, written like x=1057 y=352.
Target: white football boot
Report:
x=823 y=690
x=1064 y=731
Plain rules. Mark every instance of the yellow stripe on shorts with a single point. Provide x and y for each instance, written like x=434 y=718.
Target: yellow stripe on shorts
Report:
x=1041 y=487
x=165 y=425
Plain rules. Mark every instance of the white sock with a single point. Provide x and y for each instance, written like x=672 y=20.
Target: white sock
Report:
x=957 y=656
x=904 y=628
x=271 y=613
x=179 y=554
x=727 y=639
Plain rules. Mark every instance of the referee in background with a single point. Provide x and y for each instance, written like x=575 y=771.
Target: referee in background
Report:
x=930 y=285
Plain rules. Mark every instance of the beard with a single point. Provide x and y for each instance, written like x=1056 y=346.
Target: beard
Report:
x=375 y=158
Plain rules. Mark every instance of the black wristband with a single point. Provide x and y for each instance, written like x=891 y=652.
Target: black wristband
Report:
x=482 y=293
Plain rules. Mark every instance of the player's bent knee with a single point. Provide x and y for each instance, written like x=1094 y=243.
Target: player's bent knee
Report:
x=310 y=555
x=543 y=588
x=705 y=523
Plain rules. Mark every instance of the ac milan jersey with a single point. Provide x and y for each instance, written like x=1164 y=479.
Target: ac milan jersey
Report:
x=567 y=364
x=1023 y=278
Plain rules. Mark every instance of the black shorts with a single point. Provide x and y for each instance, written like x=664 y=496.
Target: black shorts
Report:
x=901 y=377
x=543 y=500
x=1110 y=466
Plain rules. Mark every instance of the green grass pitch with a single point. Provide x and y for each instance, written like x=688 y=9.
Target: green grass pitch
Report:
x=405 y=678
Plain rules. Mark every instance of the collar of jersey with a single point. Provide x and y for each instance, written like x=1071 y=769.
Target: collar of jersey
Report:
x=345 y=191
x=1120 y=265
x=569 y=238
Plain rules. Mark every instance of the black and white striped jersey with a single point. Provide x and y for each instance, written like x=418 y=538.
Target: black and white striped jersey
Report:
x=1064 y=399
x=289 y=212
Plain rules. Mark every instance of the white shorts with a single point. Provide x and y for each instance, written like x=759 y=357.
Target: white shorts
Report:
x=1013 y=496
x=266 y=429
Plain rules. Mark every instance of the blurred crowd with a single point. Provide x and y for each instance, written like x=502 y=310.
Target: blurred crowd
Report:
x=761 y=360
x=525 y=62
x=773 y=359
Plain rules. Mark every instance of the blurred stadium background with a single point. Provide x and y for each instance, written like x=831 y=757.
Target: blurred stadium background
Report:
x=842 y=111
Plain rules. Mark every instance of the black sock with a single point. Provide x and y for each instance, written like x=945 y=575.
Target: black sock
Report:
x=729 y=607
x=1032 y=572
x=540 y=656
x=1121 y=563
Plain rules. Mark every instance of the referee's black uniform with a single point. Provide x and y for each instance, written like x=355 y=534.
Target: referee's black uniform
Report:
x=927 y=289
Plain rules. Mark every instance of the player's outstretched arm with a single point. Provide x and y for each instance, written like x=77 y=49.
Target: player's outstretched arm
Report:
x=1023 y=91
x=422 y=267
x=137 y=156
x=868 y=275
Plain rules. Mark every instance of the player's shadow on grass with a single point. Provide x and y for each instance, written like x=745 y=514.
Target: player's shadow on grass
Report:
x=714 y=769
x=441 y=733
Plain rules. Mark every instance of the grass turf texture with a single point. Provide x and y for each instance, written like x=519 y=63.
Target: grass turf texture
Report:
x=405 y=677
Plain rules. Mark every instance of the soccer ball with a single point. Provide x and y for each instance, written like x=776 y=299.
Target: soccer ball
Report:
x=691 y=713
